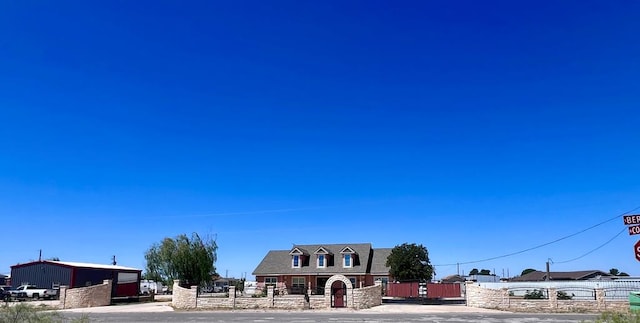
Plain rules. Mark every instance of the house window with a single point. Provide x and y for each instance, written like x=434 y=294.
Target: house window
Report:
x=297 y=285
x=270 y=281
x=347 y=260
x=321 y=261
x=296 y=261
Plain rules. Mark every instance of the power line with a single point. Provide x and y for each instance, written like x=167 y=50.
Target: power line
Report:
x=593 y=250
x=541 y=245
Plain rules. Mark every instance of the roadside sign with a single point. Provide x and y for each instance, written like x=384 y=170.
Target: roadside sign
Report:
x=637 y=250
x=633 y=230
x=631 y=219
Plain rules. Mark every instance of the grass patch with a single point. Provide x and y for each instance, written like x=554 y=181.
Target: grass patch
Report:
x=614 y=317
x=21 y=313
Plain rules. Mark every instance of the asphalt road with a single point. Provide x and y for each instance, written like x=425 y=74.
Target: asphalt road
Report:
x=310 y=317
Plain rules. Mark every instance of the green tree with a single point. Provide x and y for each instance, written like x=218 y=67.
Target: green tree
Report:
x=410 y=262
x=474 y=271
x=189 y=259
x=485 y=272
x=616 y=272
x=526 y=271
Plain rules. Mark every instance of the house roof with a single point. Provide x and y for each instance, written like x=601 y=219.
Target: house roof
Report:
x=453 y=279
x=278 y=262
x=379 y=261
x=78 y=265
x=560 y=275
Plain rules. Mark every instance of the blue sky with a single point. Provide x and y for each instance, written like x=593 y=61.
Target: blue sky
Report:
x=475 y=129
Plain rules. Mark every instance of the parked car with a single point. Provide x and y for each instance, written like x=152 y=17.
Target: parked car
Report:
x=6 y=295
x=9 y=294
x=32 y=291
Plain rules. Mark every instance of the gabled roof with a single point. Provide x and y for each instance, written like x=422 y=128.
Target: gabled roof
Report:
x=77 y=265
x=560 y=275
x=324 y=251
x=298 y=251
x=347 y=249
x=278 y=262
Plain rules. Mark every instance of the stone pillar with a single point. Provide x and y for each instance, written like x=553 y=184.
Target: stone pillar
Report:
x=601 y=304
x=270 y=295
x=232 y=296
x=62 y=296
x=109 y=283
x=184 y=298
x=506 y=300
x=553 y=297
x=309 y=290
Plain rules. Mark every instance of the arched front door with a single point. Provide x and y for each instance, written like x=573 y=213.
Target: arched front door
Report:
x=338 y=294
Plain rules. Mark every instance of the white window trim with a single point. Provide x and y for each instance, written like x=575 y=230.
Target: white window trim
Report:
x=344 y=260
x=293 y=261
x=324 y=257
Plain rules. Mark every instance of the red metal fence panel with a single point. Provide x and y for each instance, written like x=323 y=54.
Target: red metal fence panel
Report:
x=443 y=290
x=412 y=289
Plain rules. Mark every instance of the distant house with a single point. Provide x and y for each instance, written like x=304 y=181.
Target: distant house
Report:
x=3 y=280
x=453 y=279
x=561 y=275
x=52 y=274
x=484 y=278
x=311 y=266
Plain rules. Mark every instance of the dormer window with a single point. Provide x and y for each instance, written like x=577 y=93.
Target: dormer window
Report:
x=347 y=260
x=323 y=257
x=298 y=256
x=348 y=257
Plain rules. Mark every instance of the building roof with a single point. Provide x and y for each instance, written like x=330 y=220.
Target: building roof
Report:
x=368 y=260
x=379 y=261
x=78 y=265
x=561 y=275
x=453 y=279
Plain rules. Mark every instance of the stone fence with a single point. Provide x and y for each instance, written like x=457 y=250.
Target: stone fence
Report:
x=481 y=297
x=97 y=295
x=187 y=298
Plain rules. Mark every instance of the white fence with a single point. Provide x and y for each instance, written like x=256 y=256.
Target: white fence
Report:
x=584 y=289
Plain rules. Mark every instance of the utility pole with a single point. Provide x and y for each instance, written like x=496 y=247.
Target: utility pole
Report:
x=458 y=268
x=548 y=273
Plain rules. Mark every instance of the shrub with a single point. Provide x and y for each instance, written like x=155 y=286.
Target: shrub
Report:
x=535 y=294
x=563 y=295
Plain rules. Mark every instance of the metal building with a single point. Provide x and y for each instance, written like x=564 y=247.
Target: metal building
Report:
x=52 y=274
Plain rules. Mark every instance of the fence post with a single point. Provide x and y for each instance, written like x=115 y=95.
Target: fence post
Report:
x=270 y=295
x=506 y=300
x=552 y=293
x=600 y=298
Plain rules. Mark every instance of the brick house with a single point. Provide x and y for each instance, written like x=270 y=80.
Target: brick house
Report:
x=309 y=267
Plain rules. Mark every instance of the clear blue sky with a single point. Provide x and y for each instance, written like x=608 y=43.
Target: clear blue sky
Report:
x=477 y=129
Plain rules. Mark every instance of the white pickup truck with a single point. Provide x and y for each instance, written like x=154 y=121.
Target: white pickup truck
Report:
x=32 y=291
